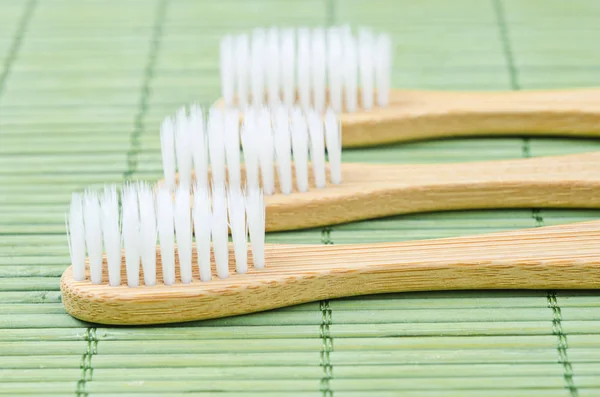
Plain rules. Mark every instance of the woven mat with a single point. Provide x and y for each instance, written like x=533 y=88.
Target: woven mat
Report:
x=83 y=87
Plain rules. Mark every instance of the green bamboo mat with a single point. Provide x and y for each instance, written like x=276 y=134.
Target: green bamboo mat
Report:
x=83 y=86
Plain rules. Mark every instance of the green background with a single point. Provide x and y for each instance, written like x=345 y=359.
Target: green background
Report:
x=83 y=88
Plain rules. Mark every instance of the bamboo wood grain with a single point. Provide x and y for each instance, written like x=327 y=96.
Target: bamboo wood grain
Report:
x=371 y=191
x=413 y=115
x=556 y=257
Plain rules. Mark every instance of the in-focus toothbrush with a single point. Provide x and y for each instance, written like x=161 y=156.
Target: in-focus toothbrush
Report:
x=301 y=194
x=352 y=73
x=180 y=281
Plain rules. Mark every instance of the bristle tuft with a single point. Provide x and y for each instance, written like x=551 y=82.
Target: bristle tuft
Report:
x=232 y=147
x=242 y=60
x=166 y=233
x=109 y=207
x=317 y=149
x=167 y=144
x=383 y=68
x=219 y=230
x=147 y=232
x=266 y=151
x=202 y=229
x=93 y=234
x=183 y=148
x=365 y=66
x=250 y=144
x=300 y=149
x=318 y=59
x=131 y=233
x=198 y=145
x=288 y=66
x=76 y=236
x=283 y=148
x=333 y=139
x=236 y=207
x=255 y=212
x=216 y=145
x=183 y=232
x=303 y=68
x=257 y=67
x=272 y=66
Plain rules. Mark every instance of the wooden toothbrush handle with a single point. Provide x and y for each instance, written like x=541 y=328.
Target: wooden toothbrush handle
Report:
x=558 y=257
x=419 y=115
x=370 y=191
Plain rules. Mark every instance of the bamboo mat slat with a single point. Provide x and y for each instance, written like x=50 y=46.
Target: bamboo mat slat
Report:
x=83 y=88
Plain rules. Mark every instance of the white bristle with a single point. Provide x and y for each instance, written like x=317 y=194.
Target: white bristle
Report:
x=227 y=70
x=287 y=66
x=150 y=211
x=183 y=148
x=333 y=139
x=310 y=67
x=266 y=151
x=317 y=148
x=219 y=230
x=167 y=145
x=236 y=206
x=183 y=232
x=283 y=149
x=365 y=66
x=334 y=68
x=318 y=59
x=93 y=234
x=250 y=143
x=76 y=237
x=255 y=212
x=272 y=66
x=350 y=71
x=198 y=144
x=109 y=208
x=300 y=149
x=383 y=68
x=202 y=230
x=166 y=233
x=242 y=60
x=131 y=233
x=257 y=66
x=232 y=146
x=303 y=67
x=147 y=233
x=216 y=145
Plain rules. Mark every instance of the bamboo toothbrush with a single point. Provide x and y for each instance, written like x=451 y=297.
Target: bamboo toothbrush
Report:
x=183 y=283
x=322 y=67
x=334 y=192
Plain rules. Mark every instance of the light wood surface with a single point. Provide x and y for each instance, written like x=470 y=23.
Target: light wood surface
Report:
x=414 y=115
x=371 y=191
x=420 y=115
x=556 y=257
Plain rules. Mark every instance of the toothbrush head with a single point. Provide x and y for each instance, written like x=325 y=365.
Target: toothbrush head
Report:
x=151 y=214
x=310 y=67
x=279 y=146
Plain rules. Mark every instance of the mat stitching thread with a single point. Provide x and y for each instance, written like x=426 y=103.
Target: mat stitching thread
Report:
x=87 y=370
x=326 y=236
x=562 y=345
x=324 y=331
x=506 y=47
x=134 y=144
x=16 y=43
x=326 y=348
